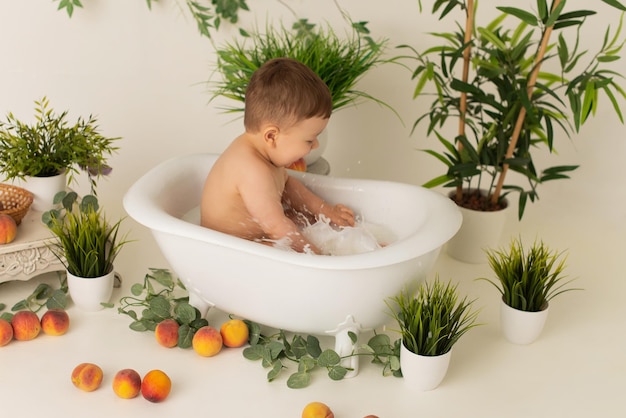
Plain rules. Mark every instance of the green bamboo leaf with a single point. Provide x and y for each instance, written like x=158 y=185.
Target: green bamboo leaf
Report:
x=554 y=14
x=523 y=15
x=493 y=38
x=614 y=102
x=588 y=101
x=615 y=4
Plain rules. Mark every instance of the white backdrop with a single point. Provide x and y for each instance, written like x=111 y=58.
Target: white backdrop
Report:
x=144 y=73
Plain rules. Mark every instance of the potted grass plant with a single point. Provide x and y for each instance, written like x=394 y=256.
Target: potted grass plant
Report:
x=87 y=246
x=339 y=62
x=52 y=151
x=527 y=280
x=431 y=323
x=513 y=87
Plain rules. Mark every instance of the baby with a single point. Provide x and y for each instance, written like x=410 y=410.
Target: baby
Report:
x=248 y=192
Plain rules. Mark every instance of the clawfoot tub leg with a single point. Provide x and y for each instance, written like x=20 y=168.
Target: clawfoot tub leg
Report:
x=199 y=303
x=344 y=345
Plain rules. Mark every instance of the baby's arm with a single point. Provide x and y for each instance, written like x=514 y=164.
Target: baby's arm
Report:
x=301 y=199
x=264 y=203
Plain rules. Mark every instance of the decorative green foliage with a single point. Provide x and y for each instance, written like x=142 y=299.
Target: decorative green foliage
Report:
x=51 y=146
x=207 y=15
x=44 y=295
x=306 y=352
x=87 y=245
x=69 y=5
x=434 y=320
x=159 y=297
x=340 y=63
x=528 y=280
x=503 y=95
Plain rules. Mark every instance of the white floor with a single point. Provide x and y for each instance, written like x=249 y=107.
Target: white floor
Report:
x=576 y=369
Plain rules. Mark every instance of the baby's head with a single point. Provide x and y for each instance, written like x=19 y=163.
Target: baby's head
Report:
x=284 y=91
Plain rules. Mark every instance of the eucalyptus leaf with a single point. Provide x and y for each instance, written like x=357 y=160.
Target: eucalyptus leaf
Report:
x=185 y=336
x=299 y=380
x=57 y=300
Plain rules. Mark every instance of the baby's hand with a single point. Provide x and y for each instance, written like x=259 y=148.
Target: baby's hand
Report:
x=340 y=215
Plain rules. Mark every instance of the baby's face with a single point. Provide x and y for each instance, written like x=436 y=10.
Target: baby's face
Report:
x=297 y=140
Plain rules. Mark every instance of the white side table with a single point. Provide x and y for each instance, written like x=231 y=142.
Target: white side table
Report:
x=29 y=254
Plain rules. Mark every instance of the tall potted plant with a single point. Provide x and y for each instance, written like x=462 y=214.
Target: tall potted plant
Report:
x=339 y=62
x=527 y=280
x=511 y=86
x=52 y=149
x=431 y=323
x=87 y=246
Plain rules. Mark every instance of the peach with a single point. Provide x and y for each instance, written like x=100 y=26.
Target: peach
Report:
x=8 y=229
x=87 y=377
x=317 y=410
x=207 y=341
x=127 y=383
x=26 y=325
x=166 y=333
x=55 y=322
x=299 y=165
x=234 y=333
x=6 y=332
x=156 y=386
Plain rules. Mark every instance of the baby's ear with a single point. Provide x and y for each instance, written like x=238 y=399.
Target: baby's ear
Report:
x=270 y=134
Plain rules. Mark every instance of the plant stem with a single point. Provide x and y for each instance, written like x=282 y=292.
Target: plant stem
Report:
x=522 y=114
x=469 y=28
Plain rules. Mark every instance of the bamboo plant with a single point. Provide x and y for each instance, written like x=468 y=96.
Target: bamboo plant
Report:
x=493 y=79
x=434 y=320
x=339 y=62
x=528 y=279
x=87 y=244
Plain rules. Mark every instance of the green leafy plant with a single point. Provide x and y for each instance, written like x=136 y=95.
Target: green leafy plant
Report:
x=528 y=279
x=161 y=297
x=434 y=320
x=511 y=88
x=340 y=63
x=87 y=244
x=51 y=145
x=305 y=351
x=208 y=15
x=44 y=296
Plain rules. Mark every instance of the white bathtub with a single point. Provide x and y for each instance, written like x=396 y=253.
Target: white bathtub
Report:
x=313 y=294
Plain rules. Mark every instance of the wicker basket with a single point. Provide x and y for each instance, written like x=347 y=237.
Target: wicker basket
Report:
x=14 y=201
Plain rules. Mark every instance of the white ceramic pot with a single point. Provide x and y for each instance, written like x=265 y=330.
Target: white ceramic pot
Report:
x=479 y=231
x=423 y=372
x=521 y=327
x=89 y=293
x=43 y=189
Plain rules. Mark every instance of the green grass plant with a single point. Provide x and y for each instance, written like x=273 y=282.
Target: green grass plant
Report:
x=433 y=320
x=87 y=244
x=339 y=62
x=528 y=279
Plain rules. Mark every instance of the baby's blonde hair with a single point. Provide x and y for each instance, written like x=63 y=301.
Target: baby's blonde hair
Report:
x=285 y=91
